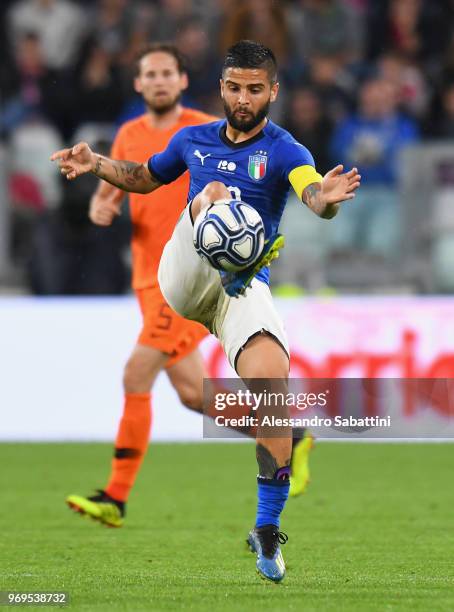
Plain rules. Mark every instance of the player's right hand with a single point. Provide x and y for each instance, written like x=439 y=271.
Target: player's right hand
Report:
x=104 y=208
x=75 y=161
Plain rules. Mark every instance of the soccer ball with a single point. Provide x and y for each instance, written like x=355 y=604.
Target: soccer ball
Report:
x=229 y=235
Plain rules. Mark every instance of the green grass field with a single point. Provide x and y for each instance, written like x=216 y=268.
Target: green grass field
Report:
x=374 y=532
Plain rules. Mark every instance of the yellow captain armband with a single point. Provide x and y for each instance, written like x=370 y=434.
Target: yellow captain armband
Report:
x=301 y=177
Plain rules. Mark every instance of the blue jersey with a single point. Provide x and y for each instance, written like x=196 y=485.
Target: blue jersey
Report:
x=255 y=171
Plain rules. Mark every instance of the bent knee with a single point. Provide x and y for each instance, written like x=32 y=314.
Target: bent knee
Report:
x=191 y=398
x=211 y=193
x=138 y=376
x=263 y=356
x=216 y=190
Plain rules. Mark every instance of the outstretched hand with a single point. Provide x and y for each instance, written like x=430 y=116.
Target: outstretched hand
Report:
x=74 y=161
x=338 y=186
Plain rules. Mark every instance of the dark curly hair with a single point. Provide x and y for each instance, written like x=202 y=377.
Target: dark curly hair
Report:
x=250 y=54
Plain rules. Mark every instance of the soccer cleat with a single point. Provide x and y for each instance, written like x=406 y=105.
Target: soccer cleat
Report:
x=236 y=283
x=100 y=507
x=300 y=476
x=265 y=542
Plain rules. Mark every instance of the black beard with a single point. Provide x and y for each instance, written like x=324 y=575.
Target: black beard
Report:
x=162 y=110
x=246 y=125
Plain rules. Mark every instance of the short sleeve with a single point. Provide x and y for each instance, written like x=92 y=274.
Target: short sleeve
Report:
x=168 y=165
x=292 y=155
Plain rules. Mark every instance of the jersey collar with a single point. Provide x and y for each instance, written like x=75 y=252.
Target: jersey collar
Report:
x=238 y=145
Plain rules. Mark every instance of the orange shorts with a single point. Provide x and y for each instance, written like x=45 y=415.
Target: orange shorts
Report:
x=164 y=329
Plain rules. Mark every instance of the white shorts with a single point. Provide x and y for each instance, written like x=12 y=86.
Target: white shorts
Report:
x=194 y=290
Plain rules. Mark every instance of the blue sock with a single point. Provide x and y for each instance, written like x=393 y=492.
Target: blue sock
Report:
x=272 y=494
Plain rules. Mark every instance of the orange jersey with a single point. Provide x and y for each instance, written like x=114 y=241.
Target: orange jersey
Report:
x=155 y=214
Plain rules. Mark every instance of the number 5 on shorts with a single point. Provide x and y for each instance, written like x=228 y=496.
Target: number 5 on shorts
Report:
x=164 y=317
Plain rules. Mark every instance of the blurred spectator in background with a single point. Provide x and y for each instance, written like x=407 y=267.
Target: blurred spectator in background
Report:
x=204 y=66
x=418 y=29
x=32 y=91
x=403 y=31
x=68 y=255
x=409 y=81
x=260 y=20
x=121 y=28
x=112 y=23
x=394 y=25
x=371 y=139
x=33 y=188
x=334 y=83
x=441 y=125
x=100 y=95
x=326 y=27
x=61 y=26
x=172 y=14
x=23 y=83
x=445 y=68
x=307 y=122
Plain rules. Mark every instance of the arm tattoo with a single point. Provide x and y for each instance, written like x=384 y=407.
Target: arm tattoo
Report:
x=129 y=176
x=132 y=173
x=312 y=198
x=98 y=166
x=268 y=465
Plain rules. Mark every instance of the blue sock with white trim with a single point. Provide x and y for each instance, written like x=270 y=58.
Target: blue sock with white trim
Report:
x=272 y=494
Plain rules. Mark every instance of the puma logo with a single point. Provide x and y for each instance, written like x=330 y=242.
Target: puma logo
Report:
x=200 y=156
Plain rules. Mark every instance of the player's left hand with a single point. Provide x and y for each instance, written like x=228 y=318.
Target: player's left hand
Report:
x=104 y=207
x=338 y=186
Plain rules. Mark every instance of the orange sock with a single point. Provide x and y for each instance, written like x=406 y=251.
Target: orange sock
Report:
x=130 y=445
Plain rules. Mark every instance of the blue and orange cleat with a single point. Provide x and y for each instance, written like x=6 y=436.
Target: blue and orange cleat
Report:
x=236 y=283
x=265 y=542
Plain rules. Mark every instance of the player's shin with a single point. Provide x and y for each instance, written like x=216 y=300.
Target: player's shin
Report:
x=273 y=481
x=130 y=445
x=273 y=451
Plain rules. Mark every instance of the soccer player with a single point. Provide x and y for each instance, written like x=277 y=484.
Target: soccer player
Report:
x=263 y=163
x=167 y=341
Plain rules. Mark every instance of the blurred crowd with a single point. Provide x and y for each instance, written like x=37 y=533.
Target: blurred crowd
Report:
x=361 y=80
